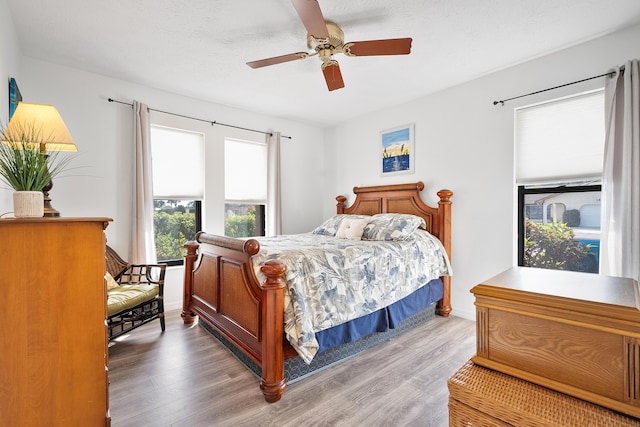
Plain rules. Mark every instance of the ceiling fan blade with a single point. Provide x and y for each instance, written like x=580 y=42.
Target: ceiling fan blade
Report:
x=378 y=47
x=277 y=59
x=332 y=75
x=311 y=16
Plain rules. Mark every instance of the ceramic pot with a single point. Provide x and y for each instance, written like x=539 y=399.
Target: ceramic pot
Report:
x=28 y=204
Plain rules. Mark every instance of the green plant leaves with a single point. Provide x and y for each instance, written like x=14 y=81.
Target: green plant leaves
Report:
x=24 y=163
x=552 y=246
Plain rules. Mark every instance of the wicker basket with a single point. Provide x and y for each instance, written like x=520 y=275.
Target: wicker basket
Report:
x=483 y=397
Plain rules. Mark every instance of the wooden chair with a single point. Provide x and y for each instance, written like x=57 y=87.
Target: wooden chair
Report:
x=136 y=297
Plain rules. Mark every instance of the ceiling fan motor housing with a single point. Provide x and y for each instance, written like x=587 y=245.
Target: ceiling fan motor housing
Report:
x=327 y=47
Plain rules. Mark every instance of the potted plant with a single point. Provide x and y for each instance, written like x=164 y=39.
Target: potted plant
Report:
x=27 y=168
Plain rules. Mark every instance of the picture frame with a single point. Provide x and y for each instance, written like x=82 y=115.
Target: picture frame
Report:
x=397 y=150
x=14 y=96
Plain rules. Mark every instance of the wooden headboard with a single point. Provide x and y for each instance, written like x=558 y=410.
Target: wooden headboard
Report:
x=405 y=198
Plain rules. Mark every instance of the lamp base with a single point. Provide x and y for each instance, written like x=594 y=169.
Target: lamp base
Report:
x=49 y=211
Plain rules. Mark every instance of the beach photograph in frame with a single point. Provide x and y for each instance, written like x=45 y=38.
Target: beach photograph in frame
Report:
x=397 y=150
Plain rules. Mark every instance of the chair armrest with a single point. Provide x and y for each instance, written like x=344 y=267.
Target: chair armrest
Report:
x=143 y=274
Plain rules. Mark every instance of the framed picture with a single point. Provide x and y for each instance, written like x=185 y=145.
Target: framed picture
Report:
x=397 y=150
x=14 y=96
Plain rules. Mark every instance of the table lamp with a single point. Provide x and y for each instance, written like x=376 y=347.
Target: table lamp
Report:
x=40 y=126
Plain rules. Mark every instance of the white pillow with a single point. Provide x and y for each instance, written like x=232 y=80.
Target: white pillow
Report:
x=392 y=226
x=330 y=226
x=351 y=228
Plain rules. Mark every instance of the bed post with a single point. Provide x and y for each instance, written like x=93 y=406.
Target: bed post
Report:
x=444 y=233
x=340 y=205
x=273 y=382
x=187 y=315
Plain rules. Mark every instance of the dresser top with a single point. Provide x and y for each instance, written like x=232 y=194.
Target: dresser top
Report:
x=588 y=287
x=53 y=220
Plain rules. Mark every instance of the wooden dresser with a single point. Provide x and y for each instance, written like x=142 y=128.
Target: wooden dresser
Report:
x=53 y=342
x=577 y=333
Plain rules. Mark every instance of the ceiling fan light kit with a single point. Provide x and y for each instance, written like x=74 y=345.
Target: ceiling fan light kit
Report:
x=326 y=39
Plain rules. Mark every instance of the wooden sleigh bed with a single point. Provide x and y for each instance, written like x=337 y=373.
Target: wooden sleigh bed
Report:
x=222 y=288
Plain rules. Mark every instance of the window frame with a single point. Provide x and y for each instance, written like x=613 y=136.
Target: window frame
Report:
x=560 y=189
x=197 y=204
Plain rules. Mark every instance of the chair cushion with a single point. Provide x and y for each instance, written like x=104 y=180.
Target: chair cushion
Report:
x=125 y=297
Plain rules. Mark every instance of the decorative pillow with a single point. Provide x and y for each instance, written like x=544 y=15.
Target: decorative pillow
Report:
x=352 y=228
x=392 y=226
x=111 y=282
x=330 y=226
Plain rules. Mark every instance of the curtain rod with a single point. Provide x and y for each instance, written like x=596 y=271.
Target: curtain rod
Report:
x=200 y=120
x=610 y=73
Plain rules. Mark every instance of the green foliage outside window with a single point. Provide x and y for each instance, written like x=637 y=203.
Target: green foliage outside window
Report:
x=552 y=246
x=174 y=224
x=243 y=225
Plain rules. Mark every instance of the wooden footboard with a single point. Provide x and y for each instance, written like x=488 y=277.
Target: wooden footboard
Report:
x=220 y=285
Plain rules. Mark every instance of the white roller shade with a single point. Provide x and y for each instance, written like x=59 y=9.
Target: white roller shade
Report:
x=245 y=171
x=561 y=140
x=178 y=163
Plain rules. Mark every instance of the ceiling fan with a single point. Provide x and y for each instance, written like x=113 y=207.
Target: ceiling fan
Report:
x=326 y=39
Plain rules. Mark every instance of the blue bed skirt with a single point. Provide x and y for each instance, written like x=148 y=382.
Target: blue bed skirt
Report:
x=383 y=319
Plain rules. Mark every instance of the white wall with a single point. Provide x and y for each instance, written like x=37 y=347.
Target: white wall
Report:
x=9 y=67
x=464 y=143
x=101 y=182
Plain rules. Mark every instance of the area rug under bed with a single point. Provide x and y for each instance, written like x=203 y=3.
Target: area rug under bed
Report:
x=296 y=369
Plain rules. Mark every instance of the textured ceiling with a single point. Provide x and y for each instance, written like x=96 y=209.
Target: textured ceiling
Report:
x=199 y=48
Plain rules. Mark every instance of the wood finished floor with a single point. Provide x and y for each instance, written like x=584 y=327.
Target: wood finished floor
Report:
x=184 y=377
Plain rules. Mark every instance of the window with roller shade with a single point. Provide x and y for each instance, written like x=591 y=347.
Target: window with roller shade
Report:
x=245 y=184
x=559 y=148
x=178 y=189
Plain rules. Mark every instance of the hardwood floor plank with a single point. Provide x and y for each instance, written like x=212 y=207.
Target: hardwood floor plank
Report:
x=184 y=377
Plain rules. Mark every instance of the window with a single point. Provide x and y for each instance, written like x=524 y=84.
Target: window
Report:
x=559 y=155
x=560 y=141
x=567 y=236
x=245 y=184
x=178 y=189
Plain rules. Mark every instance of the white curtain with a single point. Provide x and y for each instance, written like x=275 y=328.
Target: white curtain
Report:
x=273 y=223
x=143 y=247
x=620 y=230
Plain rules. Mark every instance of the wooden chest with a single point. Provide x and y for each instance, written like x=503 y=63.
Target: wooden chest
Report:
x=481 y=397
x=576 y=333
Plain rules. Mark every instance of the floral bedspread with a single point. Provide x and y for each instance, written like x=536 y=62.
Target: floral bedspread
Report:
x=331 y=281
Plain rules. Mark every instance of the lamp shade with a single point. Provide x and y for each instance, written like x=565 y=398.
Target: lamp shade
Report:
x=37 y=125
